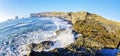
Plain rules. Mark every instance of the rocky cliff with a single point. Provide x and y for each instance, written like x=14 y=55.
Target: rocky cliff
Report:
x=97 y=32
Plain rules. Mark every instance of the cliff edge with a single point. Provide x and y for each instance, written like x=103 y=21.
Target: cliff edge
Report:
x=97 y=32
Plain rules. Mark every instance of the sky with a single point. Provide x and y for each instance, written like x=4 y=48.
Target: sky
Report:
x=107 y=8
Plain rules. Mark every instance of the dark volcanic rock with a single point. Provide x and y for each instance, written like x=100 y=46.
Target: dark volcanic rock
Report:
x=97 y=32
x=47 y=44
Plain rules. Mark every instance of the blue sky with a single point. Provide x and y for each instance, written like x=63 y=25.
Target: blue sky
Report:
x=22 y=8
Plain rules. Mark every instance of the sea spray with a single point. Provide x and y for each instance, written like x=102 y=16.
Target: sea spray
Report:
x=16 y=40
x=62 y=40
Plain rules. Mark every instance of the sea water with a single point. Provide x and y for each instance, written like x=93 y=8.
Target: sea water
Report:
x=20 y=32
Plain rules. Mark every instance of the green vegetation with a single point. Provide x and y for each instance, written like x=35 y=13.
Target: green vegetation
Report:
x=97 y=32
x=94 y=30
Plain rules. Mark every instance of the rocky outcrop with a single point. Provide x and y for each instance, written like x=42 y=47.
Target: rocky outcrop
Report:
x=96 y=29
x=27 y=49
x=97 y=32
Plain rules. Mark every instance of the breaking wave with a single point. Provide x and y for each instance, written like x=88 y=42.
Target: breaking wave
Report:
x=16 y=35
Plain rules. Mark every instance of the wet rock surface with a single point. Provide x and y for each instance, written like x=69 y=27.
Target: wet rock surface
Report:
x=21 y=36
x=98 y=30
x=87 y=35
x=97 y=33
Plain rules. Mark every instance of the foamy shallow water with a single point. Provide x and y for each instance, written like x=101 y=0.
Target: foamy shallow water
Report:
x=20 y=32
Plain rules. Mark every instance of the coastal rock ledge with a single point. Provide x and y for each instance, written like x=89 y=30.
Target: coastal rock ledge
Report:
x=97 y=32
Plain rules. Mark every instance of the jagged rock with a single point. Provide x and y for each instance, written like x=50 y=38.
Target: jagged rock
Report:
x=47 y=44
x=36 y=47
x=97 y=32
x=27 y=49
x=92 y=26
x=78 y=16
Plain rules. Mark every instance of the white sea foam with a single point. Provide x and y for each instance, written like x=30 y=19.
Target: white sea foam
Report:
x=16 y=44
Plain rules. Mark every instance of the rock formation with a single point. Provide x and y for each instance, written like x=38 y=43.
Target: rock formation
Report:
x=97 y=32
x=94 y=28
